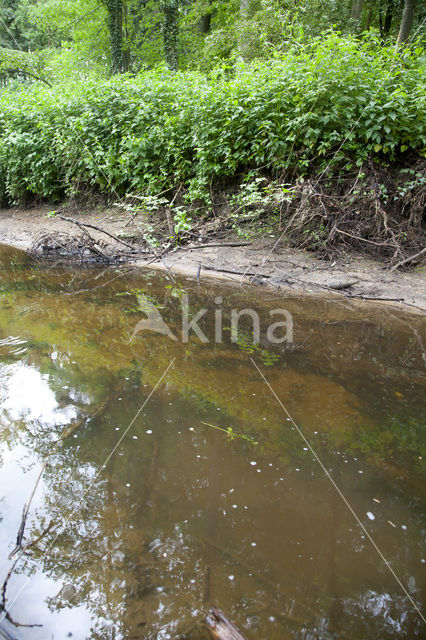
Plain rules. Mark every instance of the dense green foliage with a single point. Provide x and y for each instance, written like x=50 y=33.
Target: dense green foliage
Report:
x=276 y=96
x=335 y=102
x=87 y=37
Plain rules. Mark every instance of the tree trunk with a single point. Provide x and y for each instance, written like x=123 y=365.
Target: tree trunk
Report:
x=204 y=24
x=368 y=21
x=243 y=39
x=356 y=13
x=406 y=21
x=388 y=17
x=170 y=33
x=126 y=42
x=115 y=27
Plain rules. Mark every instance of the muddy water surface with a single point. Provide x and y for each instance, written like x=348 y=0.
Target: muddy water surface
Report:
x=136 y=532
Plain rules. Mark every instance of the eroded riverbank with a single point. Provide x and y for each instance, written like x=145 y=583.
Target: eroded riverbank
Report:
x=261 y=260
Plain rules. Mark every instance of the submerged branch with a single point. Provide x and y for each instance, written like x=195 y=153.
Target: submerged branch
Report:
x=271 y=587
x=221 y=628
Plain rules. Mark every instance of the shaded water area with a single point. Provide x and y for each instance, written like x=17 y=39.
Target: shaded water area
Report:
x=136 y=532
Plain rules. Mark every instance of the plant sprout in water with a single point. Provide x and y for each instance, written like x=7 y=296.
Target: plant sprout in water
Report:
x=231 y=433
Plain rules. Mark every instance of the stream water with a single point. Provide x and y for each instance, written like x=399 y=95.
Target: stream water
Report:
x=174 y=478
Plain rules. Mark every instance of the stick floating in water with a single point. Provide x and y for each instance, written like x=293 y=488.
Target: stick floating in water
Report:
x=220 y=627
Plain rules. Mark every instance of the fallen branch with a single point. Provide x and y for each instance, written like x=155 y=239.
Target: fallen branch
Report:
x=93 y=226
x=345 y=233
x=25 y=72
x=264 y=581
x=220 y=627
x=234 y=272
x=361 y=297
x=409 y=259
x=221 y=244
x=96 y=249
x=271 y=586
x=158 y=256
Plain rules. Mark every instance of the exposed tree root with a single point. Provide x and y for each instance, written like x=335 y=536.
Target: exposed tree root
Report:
x=374 y=212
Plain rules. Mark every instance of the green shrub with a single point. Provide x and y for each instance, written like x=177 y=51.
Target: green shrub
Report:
x=333 y=102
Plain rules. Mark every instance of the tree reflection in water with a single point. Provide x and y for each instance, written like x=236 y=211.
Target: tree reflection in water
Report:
x=179 y=518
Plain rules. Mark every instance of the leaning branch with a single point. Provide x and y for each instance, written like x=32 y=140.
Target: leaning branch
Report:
x=25 y=72
x=93 y=226
x=409 y=259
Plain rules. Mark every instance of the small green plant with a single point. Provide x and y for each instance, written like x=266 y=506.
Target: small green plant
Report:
x=417 y=180
x=182 y=220
x=244 y=341
x=231 y=433
x=147 y=204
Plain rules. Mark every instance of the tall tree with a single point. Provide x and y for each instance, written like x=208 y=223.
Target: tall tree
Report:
x=385 y=24
x=356 y=13
x=16 y=32
x=406 y=21
x=8 y=31
x=205 y=23
x=115 y=27
x=369 y=17
x=170 y=33
x=244 y=17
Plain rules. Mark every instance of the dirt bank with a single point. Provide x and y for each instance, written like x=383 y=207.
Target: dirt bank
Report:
x=261 y=260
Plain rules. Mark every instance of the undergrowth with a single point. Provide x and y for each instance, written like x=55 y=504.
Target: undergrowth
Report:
x=317 y=116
